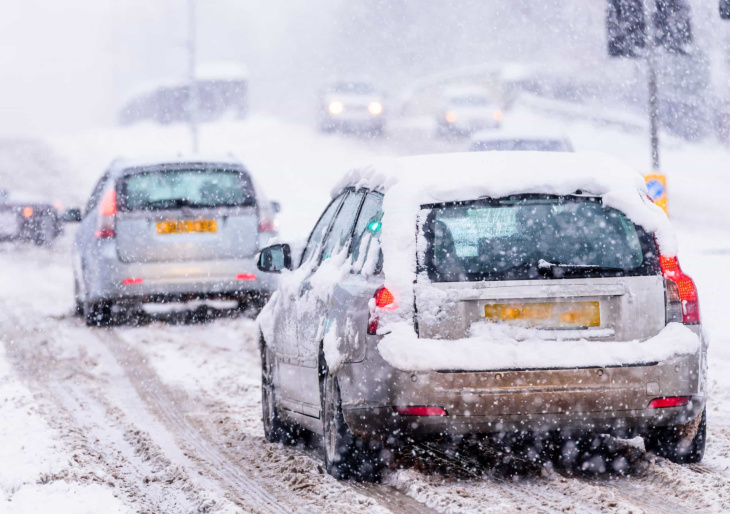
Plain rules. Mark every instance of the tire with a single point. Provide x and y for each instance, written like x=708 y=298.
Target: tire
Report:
x=275 y=429
x=345 y=455
x=78 y=303
x=673 y=444
x=98 y=314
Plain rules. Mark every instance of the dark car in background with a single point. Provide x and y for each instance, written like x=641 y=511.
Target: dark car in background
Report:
x=28 y=219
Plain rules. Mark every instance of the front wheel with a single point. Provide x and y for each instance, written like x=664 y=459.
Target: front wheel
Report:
x=345 y=455
x=683 y=444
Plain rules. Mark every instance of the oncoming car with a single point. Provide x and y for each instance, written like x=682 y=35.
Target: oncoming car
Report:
x=351 y=106
x=532 y=293
x=464 y=110
x=24 y=218
x=171 y=231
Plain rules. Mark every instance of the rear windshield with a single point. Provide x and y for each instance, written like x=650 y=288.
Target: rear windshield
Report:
x=520 y=145
x=193 y=188
x=534 y=237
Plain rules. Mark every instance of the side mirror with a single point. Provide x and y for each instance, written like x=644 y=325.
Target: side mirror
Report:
x=71 y=216
x=275 y=258
x=275 y=206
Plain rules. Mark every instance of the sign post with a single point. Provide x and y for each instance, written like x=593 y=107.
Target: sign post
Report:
x=656 y=184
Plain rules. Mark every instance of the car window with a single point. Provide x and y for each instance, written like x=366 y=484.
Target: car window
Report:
x=341 y=230
x=193 y=188
x=368 y=225
x=320 y=229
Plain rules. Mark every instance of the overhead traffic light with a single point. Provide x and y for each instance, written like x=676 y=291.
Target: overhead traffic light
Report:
x=671 y=27
x=725 y=9
x=626 y=27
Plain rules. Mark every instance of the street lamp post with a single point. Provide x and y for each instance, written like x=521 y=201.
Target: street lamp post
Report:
x=193 y=101
x=653 y=90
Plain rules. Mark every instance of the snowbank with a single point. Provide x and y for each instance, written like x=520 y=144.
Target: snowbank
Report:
x=493 y=348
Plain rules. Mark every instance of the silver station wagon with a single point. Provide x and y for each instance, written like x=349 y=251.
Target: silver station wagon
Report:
x=171 y=231
x=484 y=294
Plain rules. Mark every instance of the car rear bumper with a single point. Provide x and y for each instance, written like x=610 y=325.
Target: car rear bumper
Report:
x=177 y=281
x=597 y=399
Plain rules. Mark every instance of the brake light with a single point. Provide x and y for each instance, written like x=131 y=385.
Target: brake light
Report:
x=420 y=410
x=682 y=302
x=132 y=281
x=245 y=276
x=107 y=215
x=384 y=299
x=669 y=401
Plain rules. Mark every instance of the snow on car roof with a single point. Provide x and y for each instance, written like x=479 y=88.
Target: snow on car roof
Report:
x=410 y=182
x=122 y=163
x=468 y=90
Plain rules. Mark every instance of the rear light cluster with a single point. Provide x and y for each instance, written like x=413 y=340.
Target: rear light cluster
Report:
x=682 y=304
x=420 y=410
x=107 y=216
x=384 y=299
x=669 y=401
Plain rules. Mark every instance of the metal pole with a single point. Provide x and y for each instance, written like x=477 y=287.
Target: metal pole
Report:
x=193 y=103
x=653 y=90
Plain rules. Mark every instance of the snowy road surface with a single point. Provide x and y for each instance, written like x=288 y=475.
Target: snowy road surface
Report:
x=165 y=417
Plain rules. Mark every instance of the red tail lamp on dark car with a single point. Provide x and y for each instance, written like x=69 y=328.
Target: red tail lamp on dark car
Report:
x=420 y=410
x=669 y=401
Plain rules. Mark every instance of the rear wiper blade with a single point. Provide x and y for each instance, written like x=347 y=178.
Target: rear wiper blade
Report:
x=550 y=267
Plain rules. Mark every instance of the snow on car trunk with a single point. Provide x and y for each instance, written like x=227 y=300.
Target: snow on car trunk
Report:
x=615 y=195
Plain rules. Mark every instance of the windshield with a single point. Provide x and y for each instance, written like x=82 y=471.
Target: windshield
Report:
x=356 y=88
x=468 y=101
x=534 y=237
x=194 y=188
x=520 y=145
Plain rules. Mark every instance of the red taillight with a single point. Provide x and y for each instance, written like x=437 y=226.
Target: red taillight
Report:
x=420 y=410
x=107 y=215
x=383 y=299
x=267 y=225
x=669 y=401
x=132 y=281
x=685 y=287
x=245 y=276
x=108 y=205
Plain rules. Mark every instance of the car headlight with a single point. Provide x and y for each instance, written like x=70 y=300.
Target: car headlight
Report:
x=450 y=117
x=497 y=115
x=336 y=107
x=375 y=108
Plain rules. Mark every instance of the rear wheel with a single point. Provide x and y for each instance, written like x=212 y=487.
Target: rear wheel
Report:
x=98 y=314
x=683 y=444
x=275 y=429
x=345 y=455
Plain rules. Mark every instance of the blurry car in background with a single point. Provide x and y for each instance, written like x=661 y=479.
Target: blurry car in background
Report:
x=487 y=141
x=351 y=107
x=172 y=231
x=464 y=110
x=24 y=218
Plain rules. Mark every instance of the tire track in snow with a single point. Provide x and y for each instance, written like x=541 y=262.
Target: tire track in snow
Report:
x=149 y=387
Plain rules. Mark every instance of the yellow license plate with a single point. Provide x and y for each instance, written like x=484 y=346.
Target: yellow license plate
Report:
x=546 y=314
x=187 y=227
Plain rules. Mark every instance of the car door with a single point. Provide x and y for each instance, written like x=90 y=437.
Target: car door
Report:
x=284 y=344
x=315 y=297
x=348 y=317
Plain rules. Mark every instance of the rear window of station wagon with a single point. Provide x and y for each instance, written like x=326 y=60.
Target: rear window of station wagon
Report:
x=193 y=188
x=534 y=237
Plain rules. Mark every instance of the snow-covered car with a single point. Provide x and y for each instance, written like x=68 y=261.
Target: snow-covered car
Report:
x=464 y=110
x=172 y=230
x=351 y=106
x=528 y=293
x=489 y=141
x=29 y=219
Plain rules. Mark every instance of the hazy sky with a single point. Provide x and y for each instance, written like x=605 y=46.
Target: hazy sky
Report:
x=67 y=64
